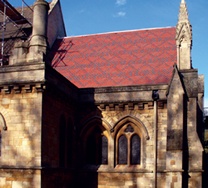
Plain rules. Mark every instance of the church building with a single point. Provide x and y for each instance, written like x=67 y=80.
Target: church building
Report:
x=112 y=110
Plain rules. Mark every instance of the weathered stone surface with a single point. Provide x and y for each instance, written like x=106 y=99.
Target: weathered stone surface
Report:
x=46 y=122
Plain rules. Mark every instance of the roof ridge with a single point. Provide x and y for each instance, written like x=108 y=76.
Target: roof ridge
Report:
x=111 y=32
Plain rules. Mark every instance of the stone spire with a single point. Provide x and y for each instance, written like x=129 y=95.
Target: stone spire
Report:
x=183 y=38
x=183 y=13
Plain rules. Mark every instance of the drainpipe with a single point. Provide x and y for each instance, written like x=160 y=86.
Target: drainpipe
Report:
x=155 y=97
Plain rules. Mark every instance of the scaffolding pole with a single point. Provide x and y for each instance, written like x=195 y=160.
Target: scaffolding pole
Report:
x=23 y=2
x=12 y=15
x=3 y=34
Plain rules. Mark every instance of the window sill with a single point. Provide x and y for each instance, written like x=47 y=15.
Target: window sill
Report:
x=117 y=169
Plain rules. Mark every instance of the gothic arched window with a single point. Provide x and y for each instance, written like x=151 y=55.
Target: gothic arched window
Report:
x=128 y=146
x=96 y=147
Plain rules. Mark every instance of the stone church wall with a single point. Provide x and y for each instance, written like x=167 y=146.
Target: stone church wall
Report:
x=57 y=143
x=113 y=175
x=20 y=157
x=54 y=110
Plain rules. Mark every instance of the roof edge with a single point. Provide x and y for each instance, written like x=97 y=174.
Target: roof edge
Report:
x=112 y=32
x=128 y=88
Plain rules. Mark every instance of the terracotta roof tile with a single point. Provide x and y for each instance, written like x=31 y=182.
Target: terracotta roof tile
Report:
x=137 y=57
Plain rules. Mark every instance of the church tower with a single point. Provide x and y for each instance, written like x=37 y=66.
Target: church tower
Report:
x=183 y=38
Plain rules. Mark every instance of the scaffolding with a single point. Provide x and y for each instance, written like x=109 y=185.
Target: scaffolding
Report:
x=20 y=25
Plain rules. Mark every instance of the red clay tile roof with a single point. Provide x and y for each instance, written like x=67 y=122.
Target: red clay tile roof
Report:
x=140 y=57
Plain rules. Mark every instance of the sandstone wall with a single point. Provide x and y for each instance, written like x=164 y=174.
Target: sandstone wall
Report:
x=56 y=108
x=21 y=143
x=113 y=175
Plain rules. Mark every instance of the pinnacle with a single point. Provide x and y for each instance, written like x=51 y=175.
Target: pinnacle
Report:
x=183 y=20
x=183 y=13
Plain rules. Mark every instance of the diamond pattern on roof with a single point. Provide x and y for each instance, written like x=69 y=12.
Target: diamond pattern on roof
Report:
x=140 y=57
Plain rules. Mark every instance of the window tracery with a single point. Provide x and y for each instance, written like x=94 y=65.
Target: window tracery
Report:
x=125 y=143
x=128 y=145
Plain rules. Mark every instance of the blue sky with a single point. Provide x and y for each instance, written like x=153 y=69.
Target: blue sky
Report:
x=99 y=16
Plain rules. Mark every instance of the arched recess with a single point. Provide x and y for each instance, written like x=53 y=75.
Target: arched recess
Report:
x=3 y=126
x=86 y=124
x=136 y=136
x=95 y=137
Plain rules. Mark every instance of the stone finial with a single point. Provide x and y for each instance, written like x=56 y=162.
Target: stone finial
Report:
x=183 y=38
x=183 y=13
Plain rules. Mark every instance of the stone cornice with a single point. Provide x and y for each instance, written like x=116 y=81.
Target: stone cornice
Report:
x=121 y=106
x=22 y=88
x=22 y=67
x=188 y=70
x=17 y=77
x=122 y=95
x=124 y=89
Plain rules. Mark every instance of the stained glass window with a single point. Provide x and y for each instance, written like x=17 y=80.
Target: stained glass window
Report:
x=122 y=150
x=128 y=151
x=97 y=148
x=104 y=151
x=129 y=129
x=135 y=149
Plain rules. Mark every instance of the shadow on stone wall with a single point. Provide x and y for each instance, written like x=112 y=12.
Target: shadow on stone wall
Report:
x=185 y=146
x=20 y=160
x=205 y=155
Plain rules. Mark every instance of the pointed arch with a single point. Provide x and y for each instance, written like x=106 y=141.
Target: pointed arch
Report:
x=136 y=135
x=2 y=123
x=137 y=122
x=95 y=141
x=88 y=125
x=113 y=121
x=3 y=126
